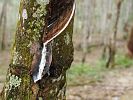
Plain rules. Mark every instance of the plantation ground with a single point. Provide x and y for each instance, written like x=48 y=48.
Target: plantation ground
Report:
x=116 y=84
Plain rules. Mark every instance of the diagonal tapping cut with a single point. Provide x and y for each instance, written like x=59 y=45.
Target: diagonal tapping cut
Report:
x=53 y=30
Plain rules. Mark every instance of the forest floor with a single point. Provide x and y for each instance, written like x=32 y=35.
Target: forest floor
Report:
x=98 y=82
x=115 y=85
x=86 y=82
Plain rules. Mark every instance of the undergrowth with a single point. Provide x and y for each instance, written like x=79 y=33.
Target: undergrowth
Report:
x=80 y=74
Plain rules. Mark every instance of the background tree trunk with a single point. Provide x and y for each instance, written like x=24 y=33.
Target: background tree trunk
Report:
x=19 y=84
x=3 y=20
x=112 y=44
x=130 y=43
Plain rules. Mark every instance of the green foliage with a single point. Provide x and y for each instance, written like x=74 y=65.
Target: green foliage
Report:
x=80 y=74
x=123 y=61
x=83 y=73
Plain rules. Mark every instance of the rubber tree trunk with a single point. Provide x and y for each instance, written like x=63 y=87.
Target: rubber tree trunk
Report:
x=19 y=83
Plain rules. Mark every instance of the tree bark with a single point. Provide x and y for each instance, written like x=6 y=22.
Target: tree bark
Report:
x=3 y=18
x=130 y=44
x=30 y=29
x=112 y=45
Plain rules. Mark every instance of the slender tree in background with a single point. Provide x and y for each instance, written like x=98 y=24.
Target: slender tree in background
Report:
x=112 y=42
x=3 y=20
x=42 y=52
x=86 y=31
x=88 y=25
